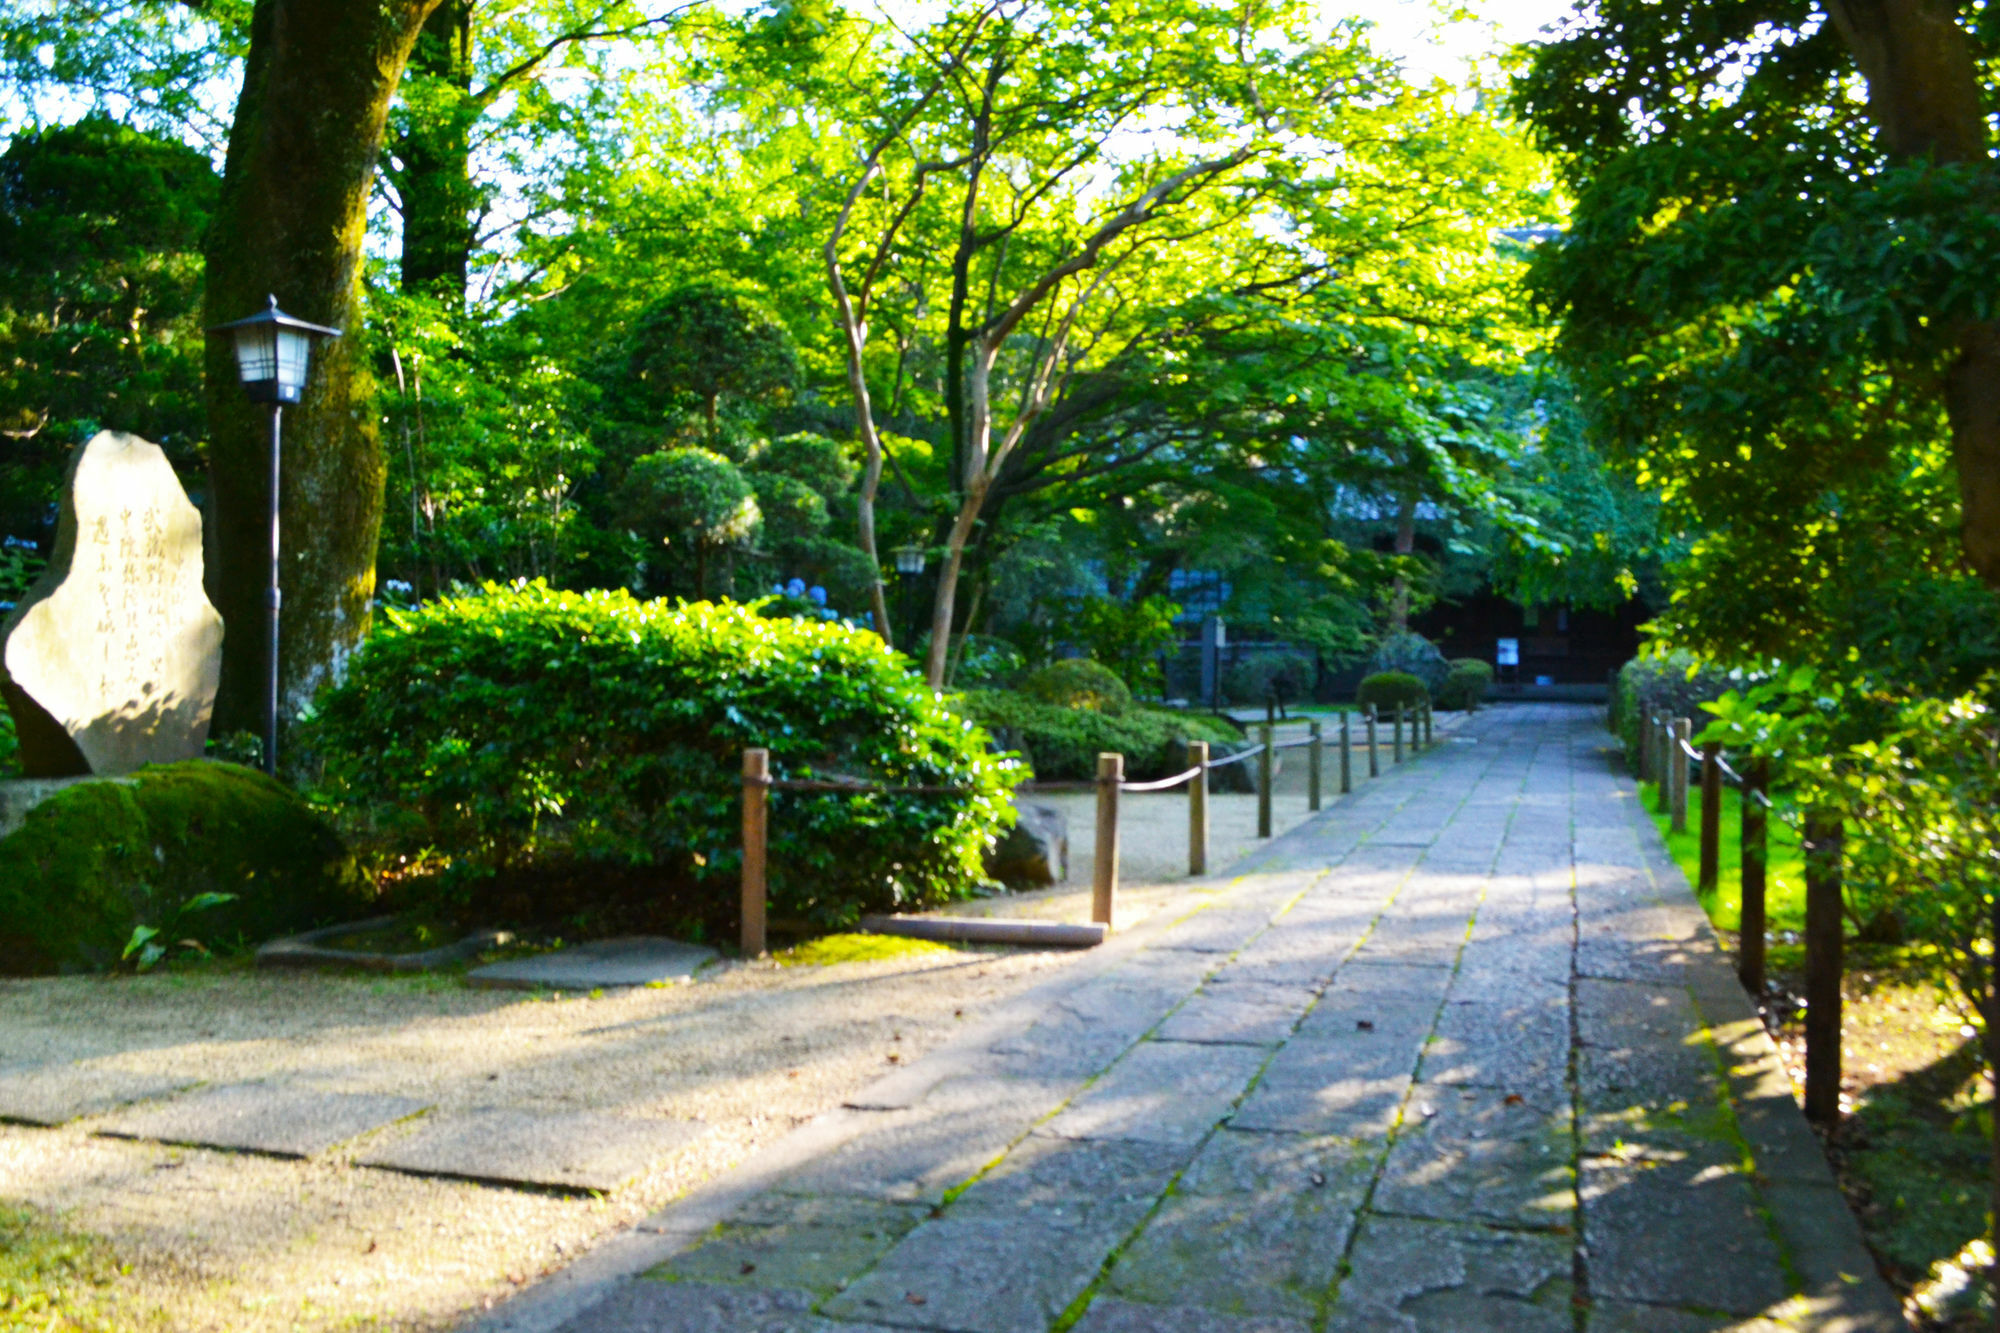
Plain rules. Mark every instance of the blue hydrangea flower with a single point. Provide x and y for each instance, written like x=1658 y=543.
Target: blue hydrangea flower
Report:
x=817 y=594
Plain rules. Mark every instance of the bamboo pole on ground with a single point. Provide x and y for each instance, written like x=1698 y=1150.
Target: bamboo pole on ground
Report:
x=1104 y=868
x=1197 y=757
x=756 y=808
x=1824 y=944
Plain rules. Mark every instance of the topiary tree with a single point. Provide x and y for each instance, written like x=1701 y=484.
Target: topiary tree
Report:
x=1390 y=690
x=694 y=498
x=1078 y=682
x=823 y=464
x=1288 y=677
x=1412 y=654
x=533 y=739
x=1465 y=687
x=705 y=342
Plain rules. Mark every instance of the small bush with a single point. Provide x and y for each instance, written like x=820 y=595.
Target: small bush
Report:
x=1411 y=654
x=1675 y=683
x=1062 y=744
x=1389 y=690
x=99 y=858
x=1078 y=682
x=1287 y=676
x=539 y=741
x=1465 y=688
x=984 y=662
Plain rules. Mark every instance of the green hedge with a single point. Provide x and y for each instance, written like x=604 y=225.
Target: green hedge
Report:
x=538 y=740
x=1675 y=683
x=1465 y=688
x=99 y=858
x=1062 y=744
x=1078 y=682
x=1388 y=690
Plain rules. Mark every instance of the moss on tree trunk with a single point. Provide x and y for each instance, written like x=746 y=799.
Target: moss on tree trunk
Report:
x=302 y=157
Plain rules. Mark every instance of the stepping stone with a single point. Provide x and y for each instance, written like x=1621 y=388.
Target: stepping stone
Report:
x=57 y=1094
x=639 y=960
x=263 y=1118
x=569 y=1150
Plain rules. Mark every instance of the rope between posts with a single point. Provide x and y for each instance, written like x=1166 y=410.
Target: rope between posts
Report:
x=1242 y=757
x=1728 y=773
x=855 y=788
x=1164 y=783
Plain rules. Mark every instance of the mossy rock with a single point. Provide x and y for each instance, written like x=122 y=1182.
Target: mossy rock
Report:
x=99 y=858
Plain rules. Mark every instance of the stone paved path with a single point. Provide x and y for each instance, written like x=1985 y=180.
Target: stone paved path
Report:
x=1460 y=1054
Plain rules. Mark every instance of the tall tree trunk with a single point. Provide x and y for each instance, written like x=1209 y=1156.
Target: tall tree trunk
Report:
x=1406 y=544
x=302 y=155
x=436 y=149
x=1924 y=95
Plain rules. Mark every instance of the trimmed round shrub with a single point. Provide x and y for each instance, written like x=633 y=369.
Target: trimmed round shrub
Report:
x=825 y=465
x=1465 y=688
x=1389 y=690
x=1412 y=654
x=99 y=858
x=1062 y=744
x=1288 y=676
x=1078 y=682
x=536 y=739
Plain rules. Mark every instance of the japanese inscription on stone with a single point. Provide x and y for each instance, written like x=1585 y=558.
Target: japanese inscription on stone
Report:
x=111 y=660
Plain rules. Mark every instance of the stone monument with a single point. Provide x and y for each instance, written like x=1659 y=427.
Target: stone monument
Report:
x=111 y=660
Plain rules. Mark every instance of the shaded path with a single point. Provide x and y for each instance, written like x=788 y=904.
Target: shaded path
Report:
x=1460 y=1054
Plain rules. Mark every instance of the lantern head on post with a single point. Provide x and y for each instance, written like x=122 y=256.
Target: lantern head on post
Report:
x=909 y=560
x=273 y=351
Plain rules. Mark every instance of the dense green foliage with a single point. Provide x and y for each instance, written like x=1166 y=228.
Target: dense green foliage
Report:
x=1389 y=690
x=1285 y=677
x=1078 y=683
x=1675 y=683
x=1061 y=744
x=520 y=731
x=100 y=858
x=1465 y=688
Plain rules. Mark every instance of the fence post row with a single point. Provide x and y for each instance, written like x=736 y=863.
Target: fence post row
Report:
x=1346 y=755
x=1750 y=945
x=1313 y=765
x=1104 y=868
x=1197 y=757
x=756 y=806
x=1264 y=767
x=1374 y=755
x=1711 y=817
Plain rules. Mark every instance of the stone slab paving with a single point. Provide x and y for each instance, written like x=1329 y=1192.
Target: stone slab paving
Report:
x=50 y=1095
x=1459 y=1054
x=637 y=960
x=277 y=1120
x=583 y=1151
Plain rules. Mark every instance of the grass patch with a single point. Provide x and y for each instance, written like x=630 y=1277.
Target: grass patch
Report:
x=1785 y=873
x=854 y=948
x=51 y=1279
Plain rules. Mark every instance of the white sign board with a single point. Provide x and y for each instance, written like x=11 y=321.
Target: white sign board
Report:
x=1507 y=653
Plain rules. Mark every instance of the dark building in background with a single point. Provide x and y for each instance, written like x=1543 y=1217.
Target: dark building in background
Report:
x=1557 y=645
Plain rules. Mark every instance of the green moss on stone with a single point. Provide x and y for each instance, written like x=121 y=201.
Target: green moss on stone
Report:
x=99 y=858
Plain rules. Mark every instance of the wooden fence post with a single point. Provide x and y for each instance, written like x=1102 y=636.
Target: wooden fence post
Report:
x=1346 y=755
x=1430 y=723
x=1750 y=943
x=1397 y=752
x=1824 y=942
x=756 y=807
x=1663 y=768
x=1264 y=767
x=1678 y=766
x=1314 y=756
x=1197 y=757
x=1374 y=755
x=1104 y=868
x=1711 y=816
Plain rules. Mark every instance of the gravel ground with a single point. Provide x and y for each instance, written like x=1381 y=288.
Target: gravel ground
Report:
x=234 y=1241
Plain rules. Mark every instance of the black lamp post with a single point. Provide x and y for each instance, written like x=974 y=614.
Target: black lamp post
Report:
x=909 y=563
x=273 y=351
